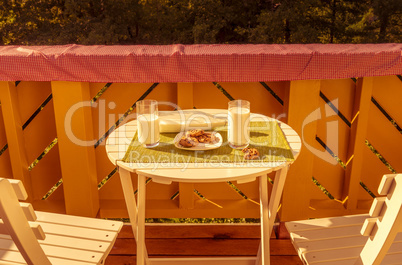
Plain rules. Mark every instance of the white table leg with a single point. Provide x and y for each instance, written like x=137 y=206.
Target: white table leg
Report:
x=279 y=183
x=129 y=198
x=141 y=250
x=264 y=216
x=277 y=190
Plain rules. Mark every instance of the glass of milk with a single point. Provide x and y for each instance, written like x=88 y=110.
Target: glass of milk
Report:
x=148 y=123
x=238 y=123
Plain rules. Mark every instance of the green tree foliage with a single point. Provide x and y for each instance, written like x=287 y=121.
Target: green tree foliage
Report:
x=48 y=22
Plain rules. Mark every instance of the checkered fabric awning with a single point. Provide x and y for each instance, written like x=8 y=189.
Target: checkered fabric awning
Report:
x=198 y=63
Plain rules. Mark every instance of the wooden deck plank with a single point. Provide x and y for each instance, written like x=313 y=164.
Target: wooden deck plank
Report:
x=205 y=240
x=196 y=231
x=275 y=260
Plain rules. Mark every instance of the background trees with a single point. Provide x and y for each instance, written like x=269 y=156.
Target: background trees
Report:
x=47 y=22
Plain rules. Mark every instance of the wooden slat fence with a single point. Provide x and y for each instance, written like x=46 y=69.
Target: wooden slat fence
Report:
x=350 y=129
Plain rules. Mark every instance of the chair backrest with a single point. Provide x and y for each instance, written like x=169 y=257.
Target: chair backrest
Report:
x=385 y=222
x=18 y=221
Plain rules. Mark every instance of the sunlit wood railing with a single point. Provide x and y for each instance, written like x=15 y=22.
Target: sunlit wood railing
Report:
x=350 y=129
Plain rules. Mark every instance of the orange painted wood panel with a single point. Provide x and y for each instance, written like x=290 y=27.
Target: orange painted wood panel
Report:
x=46 y=174
x=40 y=132
x=372 y=172
x=3 y=138
x=103 y=164
x=119 y=98
x=331 y=177
x=77 y=155
x=280 y=88
x=340 y=92
x=359 y=129
x=113 y=103
x=185 y=95
x=5 y=165
x=333 y=132
x=202 y=209
x=171 y=209
x=208 y=96
x=112 y=190
x=94 y=88
x=30 y=96
x=14 y=133
x=302 y=117
x=186 y=196
x=164 y=92
x=51 y=205
x=385 y=138
x=219 y=191
x=387 y=91
x=157 y=191
x=316 y=194
x=251 y=189
x=261 y=101
x=330 y=208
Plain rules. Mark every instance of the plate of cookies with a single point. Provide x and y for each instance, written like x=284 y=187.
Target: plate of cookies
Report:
x=198 y=140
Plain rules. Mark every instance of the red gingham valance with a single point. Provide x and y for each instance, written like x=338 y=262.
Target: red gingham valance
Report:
x=198 y=63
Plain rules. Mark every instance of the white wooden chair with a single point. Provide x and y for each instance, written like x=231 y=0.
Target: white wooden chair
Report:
x=356 y=239
x=41 y=238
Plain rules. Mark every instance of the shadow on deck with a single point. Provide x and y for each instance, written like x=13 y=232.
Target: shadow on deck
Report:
x=187 y=240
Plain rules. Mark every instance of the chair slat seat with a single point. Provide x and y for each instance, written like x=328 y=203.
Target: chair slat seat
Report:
x=78 y=232
x=326 y=222
x=350 y=253
x=328 y=243
x=327 y=233
x=60 y=253
x=8 y=255
x=66 y=240
x=78 y=221
x=367 y=239
x=393 y=259
x=319 y=245
x=36 y=229
x=72 y=242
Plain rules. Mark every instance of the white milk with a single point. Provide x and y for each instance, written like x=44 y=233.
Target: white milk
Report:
x=148 y=129
x=238 y=127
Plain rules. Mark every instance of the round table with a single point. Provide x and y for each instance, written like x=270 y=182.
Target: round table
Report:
x=119 y=141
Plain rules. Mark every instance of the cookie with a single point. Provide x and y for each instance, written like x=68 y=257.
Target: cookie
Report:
x=188 y=141
x=207 y=138
x=203 y=139
x=195 y=132
x=211 y=136
x=195 y=136
x=194 y=140
x=250 y=153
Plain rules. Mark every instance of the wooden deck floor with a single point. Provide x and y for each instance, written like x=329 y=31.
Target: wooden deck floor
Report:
x=200 y=241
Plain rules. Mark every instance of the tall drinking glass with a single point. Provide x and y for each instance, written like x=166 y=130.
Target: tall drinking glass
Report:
x=238 y=123
x=148 y=123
